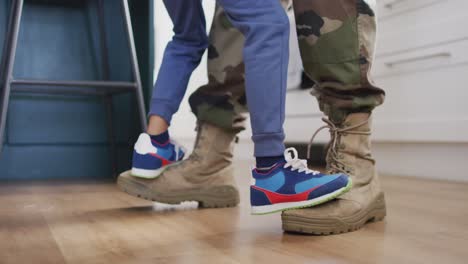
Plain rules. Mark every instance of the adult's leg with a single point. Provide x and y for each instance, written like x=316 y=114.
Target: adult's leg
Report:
x=206 y=176
x=337 y=40
x=219 y=107
x=266 y=29
x=221 y=102
x=181 y=56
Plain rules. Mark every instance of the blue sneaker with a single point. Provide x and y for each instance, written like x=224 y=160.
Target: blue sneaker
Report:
x=151 y=158
x=291 y=184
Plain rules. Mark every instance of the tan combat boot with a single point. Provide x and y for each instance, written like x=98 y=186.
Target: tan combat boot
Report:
x=349 y=152
x=206 y=176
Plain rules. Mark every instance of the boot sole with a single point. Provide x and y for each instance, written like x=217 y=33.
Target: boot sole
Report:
x=211 y=197
x=329 y=226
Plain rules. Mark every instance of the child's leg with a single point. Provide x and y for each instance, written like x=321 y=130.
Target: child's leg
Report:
x=266 y=52
x=289 y=183
x=154 y=151
x=181 y=56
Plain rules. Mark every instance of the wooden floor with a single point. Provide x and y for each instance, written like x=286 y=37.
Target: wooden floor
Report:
x=93 y=222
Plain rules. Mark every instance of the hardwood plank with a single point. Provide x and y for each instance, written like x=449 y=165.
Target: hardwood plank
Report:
x=24 y=234
x=93 y=222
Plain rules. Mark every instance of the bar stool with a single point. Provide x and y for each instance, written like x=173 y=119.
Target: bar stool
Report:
x=105 y=89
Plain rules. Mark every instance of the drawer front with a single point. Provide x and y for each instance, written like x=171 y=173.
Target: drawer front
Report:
x=391 y=8
x=422 y=60
x=426 y=35
x=430 y=25
x=416 y=12
x=425 y=106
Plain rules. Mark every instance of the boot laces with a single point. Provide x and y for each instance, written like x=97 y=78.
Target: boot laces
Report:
x=295 y=163
x=335 y=164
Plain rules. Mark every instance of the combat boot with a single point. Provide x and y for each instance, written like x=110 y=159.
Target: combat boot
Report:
x=349 y=152
x=205 y=176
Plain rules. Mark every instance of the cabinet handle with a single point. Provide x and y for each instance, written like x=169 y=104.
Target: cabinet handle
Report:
x=391 y=4
x=420 y=58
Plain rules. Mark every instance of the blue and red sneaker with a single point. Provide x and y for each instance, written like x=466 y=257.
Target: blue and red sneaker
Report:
x=151 y=158
x=291 y=184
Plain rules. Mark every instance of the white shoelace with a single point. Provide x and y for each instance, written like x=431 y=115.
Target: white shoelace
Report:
x=178 y=148
x=293 y=161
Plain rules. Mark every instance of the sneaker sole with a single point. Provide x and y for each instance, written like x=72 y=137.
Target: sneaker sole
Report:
x=147 y=174
x=150 y=174
x=330 y=226
x=211 y=197
x=275 y=208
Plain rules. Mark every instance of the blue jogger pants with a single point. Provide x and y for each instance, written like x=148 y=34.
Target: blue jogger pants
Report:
x=266 y=51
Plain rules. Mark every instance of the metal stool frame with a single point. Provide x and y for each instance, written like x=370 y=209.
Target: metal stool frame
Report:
x=100 y=88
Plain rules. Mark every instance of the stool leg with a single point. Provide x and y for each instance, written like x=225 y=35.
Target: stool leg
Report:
x=134 y=61
x=11 y=43
x=111 y=134
x=8 y=33
x=107 y=98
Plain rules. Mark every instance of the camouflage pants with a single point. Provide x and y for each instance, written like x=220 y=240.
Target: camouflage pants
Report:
x=336 y=41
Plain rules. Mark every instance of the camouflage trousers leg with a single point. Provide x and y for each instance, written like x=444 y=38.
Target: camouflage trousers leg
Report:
x=337 y=43
x=336 y=40
x=222 y=101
